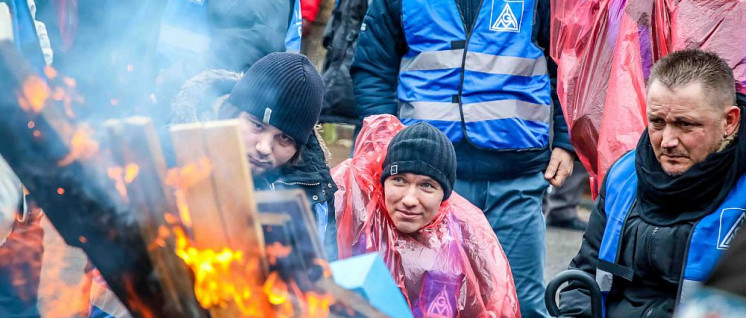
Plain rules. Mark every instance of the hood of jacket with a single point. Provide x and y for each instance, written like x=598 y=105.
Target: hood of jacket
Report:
x=196 y=99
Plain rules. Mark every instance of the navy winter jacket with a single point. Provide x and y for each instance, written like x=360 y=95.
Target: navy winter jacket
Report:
x=375 y=70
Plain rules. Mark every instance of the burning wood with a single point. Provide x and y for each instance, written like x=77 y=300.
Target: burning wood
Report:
x=135 y=144
x=218 y=192
x=79 y=199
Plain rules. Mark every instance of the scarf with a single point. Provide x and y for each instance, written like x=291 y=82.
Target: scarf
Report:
x=666 y=200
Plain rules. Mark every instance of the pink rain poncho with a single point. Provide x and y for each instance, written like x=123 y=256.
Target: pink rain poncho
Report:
x=605 y=50
x=452 y=267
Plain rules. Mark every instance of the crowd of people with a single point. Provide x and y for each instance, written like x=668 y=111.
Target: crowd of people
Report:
x=460 y=133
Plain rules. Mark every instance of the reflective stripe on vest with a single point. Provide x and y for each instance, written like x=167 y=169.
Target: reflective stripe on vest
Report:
x=710 y=236
x=295 y=30
x=491 y=84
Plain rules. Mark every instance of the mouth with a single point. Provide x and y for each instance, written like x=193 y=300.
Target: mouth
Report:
x=259 y=163
x=408 y=214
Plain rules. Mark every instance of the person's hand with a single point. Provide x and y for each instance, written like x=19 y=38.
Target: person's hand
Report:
x=560 y=167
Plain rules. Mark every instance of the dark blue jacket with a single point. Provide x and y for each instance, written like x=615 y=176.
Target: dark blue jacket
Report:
x=375 y=70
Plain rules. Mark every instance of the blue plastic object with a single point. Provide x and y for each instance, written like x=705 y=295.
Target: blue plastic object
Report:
x=368 y=276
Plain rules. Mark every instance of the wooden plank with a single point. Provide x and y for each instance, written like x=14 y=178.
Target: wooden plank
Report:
x=142 y=169
x=222 y=206
x=79 y=199
x=189 y=147
x=234 y=187
x=295 y=204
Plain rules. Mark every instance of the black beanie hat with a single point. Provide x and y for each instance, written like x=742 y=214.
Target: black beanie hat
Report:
x=422 y=149
x=283 y=90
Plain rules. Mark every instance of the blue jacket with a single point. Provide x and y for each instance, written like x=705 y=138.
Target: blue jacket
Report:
x=645 y=268
x=376 y=69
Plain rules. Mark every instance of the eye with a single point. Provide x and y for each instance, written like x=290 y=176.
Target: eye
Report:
x=285 y=140
x=399 y=180
x=255 y=125
x=428 y=186
x=685 y=124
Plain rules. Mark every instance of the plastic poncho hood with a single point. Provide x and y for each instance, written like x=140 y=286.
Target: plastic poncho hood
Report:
x=452 y=267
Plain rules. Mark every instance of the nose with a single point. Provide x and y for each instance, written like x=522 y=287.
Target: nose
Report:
x=410 y=197
x=670 y=138
x=264 y=145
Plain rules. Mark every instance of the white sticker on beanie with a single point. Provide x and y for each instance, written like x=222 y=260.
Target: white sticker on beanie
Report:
x=267 y=115
x=394 y=169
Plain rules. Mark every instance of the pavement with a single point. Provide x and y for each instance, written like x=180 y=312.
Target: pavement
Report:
x=562 y=245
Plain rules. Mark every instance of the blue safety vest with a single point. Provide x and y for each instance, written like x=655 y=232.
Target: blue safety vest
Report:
x=490 y=84
x=185 y=31
x=709 y=237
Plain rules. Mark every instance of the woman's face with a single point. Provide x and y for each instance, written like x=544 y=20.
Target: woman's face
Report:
x=266 y=146
x=412 y=200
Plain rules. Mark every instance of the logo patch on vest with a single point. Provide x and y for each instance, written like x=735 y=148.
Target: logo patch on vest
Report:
x=729 y=228
x=506 y=15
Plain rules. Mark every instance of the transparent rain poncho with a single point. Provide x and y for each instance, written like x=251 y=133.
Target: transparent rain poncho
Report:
x=452 y=267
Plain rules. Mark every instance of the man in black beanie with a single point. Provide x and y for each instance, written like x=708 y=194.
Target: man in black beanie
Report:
x=277 y=102
x=418 y=175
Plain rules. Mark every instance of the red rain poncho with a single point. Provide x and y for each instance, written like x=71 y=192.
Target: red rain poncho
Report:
x=454 y=266
x=605 y=50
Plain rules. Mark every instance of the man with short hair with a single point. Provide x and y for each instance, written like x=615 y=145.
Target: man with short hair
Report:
x=669 y=208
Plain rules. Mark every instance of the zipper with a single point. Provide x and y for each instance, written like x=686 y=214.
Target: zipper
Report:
x=463 y=65
x=295 y=183
x=649 y=312
x=683 y=263
x=651 y=243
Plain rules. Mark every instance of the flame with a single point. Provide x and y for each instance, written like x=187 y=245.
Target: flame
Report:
x=220 y=277
x=50 y=72
x=181 y=179
x=130 y=172
x=81 y=146
x=70 y=82
x=276 y=289
x=122 y=177
x=34 y=94
x=318 y=305
x=324 y=265
x=275 y=251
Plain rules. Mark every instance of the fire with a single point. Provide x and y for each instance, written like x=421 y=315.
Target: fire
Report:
x=219 y=277
x=122 y=177
x=276 y=289
x=81 y=147
x=277 y=250
x=318 y=305
x=181 y=179
x=34 y=94
x=50 y=72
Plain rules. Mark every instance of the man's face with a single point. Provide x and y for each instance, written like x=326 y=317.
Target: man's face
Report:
x=684 y=125
x=266 y=146
x=412 y=200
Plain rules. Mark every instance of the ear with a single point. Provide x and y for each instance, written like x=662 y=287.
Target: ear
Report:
x=732 y=119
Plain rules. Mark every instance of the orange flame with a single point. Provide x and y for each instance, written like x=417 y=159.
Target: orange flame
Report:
x=276 y=289
x=81 y=147
x=50 y=72
x=182 y=179
x=34 y=94
x=275 y=251
x=216 y=280
x=122 y=177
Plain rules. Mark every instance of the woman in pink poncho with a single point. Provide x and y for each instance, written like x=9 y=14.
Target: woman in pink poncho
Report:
x=397 y=200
